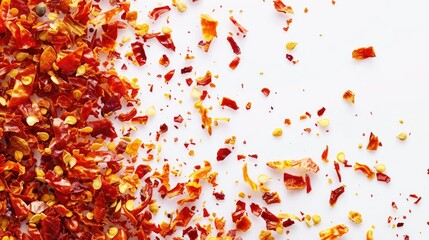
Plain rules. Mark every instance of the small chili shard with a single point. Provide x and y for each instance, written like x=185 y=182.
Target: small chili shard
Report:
x=355 y=217
x=334 y=232
x=209 y=26
x=157 y=12
x=238 y=25
x=373 y=142
x=365 y=169
x=229 y=103
x=363 y=53
x=234 y=46
x=335 y=194
x=281 y=7
x=325 y=154
x=382 y=177
x=222 y=153
x=349 y=96
x=266 y=91
x=293 y=182
x=234 y=63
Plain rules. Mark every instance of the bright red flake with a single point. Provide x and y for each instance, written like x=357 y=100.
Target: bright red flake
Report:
x=229 y=103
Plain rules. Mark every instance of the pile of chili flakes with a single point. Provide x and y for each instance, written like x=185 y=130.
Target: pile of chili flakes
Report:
x=65 y=173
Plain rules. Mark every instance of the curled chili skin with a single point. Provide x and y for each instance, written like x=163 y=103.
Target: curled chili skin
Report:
x=335 y=194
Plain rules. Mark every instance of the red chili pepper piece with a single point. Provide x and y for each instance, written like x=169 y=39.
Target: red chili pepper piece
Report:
x=234 y=46
x=335 y=194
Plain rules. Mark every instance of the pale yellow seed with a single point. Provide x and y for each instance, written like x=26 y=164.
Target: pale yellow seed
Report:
x=97 y=183
x=166 y=30
x=35 y=218
x=151 y=111
x=43 y=111
x=195 y=93
x=80 y=71
x=316 y=219
x=90 y=215
x=26 y=80
x=324 y=122
x=181 y=6
x=96 y=146
x=380 y=167
x=3 y=101
x=47 y=151
x=153 y=208
x=279 y=229
x=21 y=56
x=291 y=45
x=401 y=121
x=55 y=80
x=113 y=231
x=13 y=11
x=53 y=16
x=86 y=130
x=125 y=39
x=123 y=188
x=4 y=223
x=111 y=146
x=32 y=120
x=39 y=172
x=118 y=206
x=402 y=136
x=77 y=94
x=129 y=205
x=45 y=198
x=241 y=194
x=18 y=155
x=43 y=36
x=43 y=136
x=13 y=73
x=71 y=120
x=341 y=157
x=58 y=170
x=72 y=162
x=263 y=178
x=277 y=132
x=307 y=219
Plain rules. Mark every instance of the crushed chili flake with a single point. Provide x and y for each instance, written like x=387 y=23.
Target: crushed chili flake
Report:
x=349 y=96
x=229 y=103
x=325 y=154
x=293 y=182
x=321 y=111
x=234 y=46
x=234 y=63
x=334 y=232
x=205 y=80
x=335 y=194
x=157 y=12
x=281 y=7
x=271 y=197
x=365 y=169
x=363 y=53
x=373 y=143
x=222 y=153
x=382 y=177
x=187 y=69
x=266 y=91
x=208 y=27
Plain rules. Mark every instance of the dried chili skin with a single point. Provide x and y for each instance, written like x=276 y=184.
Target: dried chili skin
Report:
x=335 y=194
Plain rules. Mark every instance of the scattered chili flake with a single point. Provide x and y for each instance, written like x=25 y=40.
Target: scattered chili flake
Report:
x=271 y=197
x=205 y=80
x=169 y=75
x=166 y=41
x=157 y=12
x=164 y=61
x=334 y=232
x=355 y=217
x=229 y=103
x=335 y=194
x=337 y=170
x=139 y=53
x=349 y=96
x=365 y=169
x=266 y=91
x=382 y=177
x=219 y=195
x=289 y=57
x=208 y=27
x=400 y=224
x=222 y=153
x=293 y=182
x=247 y=179
x=321 y=111
x=373 y=142
x=187 y=69
x=238 y=25
x=325 y=154
x=234 y=46
x=287 y=121
x=308 y=182
x=281 y=7
x=363 y=53
x=234 y=63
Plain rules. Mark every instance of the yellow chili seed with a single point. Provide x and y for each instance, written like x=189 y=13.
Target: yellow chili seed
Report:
x=402 y=136
x=32 y=120
x=291 y=45
x=71 y=120
x=316 y=219
x=277 y=132
x=113 y=231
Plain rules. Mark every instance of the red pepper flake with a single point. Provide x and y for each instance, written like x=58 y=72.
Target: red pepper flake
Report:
x=164 y=61
x=185 y=70
x=289 y=57
x=166 y=41
x=205 y=80
x=266 y=91
x=287 y=121
x=253 y=156
x=271 y=197
x=169 y=75
x=157 y=12
x=321 y=111
x=281 y=7
x=288 y=23
x=293 y=182
x=365 y=169
x=222 y=153
x=272 y=222
x=219 y=195
x=178 y=119
x=373 y=142
x=288 y=222
x=234 y=63
x=337 y=170
x=255 y=209
x=335 y=194
x=363 y=53
x=308 y=182
x=238 y=25
x=139 y=53
x=400 y=224
x=234 y=46
x=248 y=106
x=229 y=103
x=382 y=177
x=417 y=197
x=189 y=81
x=239 y=217
x=324 y=155
x=394 y=206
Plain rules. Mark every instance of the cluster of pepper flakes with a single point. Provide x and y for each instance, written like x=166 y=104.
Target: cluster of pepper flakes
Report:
x=65 y=171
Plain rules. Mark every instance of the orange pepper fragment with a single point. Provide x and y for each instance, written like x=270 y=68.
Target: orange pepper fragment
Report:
x=209 y=26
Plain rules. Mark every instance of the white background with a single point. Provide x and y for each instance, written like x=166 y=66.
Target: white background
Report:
x=388 y=88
